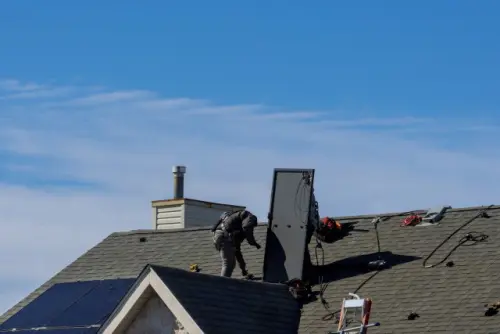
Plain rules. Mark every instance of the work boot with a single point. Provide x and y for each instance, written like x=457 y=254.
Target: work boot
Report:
x=246 y=275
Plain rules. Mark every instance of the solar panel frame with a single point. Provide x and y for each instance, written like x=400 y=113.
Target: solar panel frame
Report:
x=70 y=307
x=59 y=331
x=96 y=306
x=41 y=311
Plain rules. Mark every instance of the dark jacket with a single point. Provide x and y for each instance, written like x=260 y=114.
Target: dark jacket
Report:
x=240 y=225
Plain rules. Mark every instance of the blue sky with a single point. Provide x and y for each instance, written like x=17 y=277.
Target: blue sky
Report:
x=395 y=105
x=425 y=57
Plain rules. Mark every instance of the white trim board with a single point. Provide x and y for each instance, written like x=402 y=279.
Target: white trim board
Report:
x=130 y=307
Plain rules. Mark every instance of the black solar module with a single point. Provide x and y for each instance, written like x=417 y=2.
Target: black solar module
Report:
x=73 y=308
x=59 y=331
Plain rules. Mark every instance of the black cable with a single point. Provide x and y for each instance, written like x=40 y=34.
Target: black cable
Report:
x=468 y=237
x=322 y=285
x=375 y=226
x=332 y=315
x=302 y=191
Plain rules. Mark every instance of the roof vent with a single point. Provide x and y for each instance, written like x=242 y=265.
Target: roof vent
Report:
x=434 y=215
x=179 y=172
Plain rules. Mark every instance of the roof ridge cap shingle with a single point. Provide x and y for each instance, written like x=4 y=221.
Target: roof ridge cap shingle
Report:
x=404 y=213
x=173 y=230
x=211 y=276
x=347 y=217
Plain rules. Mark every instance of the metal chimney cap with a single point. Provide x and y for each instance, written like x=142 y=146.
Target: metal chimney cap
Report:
x=179 y=169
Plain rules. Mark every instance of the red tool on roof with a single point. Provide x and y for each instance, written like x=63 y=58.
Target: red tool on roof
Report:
x=330 y=230
x=412 y=220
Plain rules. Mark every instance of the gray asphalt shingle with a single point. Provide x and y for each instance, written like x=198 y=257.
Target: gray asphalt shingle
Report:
x=233 y=306
x=448 y=299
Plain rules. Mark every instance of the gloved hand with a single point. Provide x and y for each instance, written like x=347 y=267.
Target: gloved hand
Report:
x=257 y=246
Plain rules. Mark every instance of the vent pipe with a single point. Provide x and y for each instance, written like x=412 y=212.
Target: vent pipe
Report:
x=178 y=172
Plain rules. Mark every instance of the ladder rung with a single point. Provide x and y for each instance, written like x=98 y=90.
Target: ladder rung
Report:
x=354 y=303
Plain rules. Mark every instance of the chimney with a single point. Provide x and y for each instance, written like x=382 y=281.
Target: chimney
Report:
x=179 y=172
x=292 y=201
x=180 y=212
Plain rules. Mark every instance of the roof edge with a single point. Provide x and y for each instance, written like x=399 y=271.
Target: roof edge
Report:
x=173 y=230
x=228 y=279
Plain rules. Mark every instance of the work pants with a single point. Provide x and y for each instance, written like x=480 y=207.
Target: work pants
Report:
x=230 y=253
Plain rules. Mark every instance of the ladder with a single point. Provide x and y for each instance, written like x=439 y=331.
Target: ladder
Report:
x=352 y=308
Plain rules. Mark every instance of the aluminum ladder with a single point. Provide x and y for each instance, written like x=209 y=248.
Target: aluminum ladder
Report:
x=355 y=306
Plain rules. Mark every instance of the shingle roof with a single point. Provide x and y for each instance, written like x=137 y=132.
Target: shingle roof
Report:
x=448 y=299
x=233 y=306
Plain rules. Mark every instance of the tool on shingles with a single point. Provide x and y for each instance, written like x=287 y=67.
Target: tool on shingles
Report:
x=491 y=310
x=411 y=220
x=358 y=306
x=194 y=268
x=379 y=263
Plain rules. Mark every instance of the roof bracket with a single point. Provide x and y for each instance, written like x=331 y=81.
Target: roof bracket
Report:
x=434 y=215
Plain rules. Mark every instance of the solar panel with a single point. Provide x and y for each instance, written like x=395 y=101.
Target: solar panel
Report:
x=96 y=306
x=60 y=331
x=49 y=305
x=70 y=305
x=291 y=199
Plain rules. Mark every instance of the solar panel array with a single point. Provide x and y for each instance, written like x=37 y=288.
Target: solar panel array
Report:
x=59 y=331
x=69 y=308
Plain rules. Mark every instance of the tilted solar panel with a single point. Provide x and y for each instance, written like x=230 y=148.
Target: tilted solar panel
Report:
x=95 y=306
x=72 y=308
x=59 y=331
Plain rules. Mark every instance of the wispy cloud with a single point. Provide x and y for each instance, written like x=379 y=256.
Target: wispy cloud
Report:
x=15 y=90
x=111 y=97
x=121 y=144
x=37 y=94
x=17 y=86
x=402 y=121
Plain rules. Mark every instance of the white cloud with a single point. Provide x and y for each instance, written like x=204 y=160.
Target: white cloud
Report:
x=17 y=86
x=15 y=90
x=110 y=97
x=403 y=121
x=125 y=142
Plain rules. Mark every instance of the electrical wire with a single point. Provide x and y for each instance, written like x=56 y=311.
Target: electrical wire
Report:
x=301 y=193
x=330 y=315
x=304 y=190
x=473 y=237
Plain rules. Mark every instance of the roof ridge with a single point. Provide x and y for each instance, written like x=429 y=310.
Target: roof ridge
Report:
x=366 y=216
x=211 y=276
x=404 y=213
x=173 y=230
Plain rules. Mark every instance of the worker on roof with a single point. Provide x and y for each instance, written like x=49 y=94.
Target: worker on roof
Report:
x=228 y=233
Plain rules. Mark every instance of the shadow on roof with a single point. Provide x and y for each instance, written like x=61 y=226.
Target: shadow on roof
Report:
x=353 y=266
